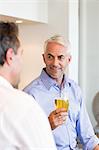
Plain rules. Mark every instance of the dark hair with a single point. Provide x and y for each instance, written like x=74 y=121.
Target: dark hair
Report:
x=8 y=39
x=8 y=28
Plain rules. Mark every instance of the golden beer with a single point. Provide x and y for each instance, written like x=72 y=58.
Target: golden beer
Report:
x=62 y=103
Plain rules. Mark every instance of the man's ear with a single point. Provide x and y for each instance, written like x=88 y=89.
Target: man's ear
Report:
x=43 y=58
x=9 y=56
x=69 y=59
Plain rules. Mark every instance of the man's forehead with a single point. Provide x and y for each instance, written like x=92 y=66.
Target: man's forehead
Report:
x=54 y=44
x=56 y=50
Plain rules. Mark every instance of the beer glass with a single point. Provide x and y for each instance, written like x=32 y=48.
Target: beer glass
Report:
x=61 y=103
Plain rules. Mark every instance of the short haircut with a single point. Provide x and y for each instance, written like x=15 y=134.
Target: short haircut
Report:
x=57 y=39
x=8 y=39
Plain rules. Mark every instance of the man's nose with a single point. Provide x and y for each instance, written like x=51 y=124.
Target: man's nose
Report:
x=55 y=62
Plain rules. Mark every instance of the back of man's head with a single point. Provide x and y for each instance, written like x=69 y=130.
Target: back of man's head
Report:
x=8 y=28
x=8 y=39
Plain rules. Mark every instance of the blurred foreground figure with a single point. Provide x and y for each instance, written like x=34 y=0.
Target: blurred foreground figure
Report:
x=23 y=124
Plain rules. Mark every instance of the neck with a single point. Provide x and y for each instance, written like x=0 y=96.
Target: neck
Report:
x=5 y=74
x=60 y=81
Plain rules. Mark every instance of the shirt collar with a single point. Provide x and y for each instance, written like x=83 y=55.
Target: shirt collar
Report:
x=48 y=81
x=5 y=83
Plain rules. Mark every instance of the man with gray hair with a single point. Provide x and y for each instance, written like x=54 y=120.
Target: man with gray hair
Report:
x=53 y=84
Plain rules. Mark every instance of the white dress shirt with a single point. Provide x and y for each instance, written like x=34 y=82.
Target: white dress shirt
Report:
x=23 y=124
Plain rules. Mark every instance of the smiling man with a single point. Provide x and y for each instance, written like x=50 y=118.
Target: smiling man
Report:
x=53 y=84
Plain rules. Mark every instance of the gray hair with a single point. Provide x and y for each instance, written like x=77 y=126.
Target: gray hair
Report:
x=58 y=39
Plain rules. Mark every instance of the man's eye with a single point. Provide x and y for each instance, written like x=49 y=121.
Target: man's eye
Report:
x=50 y=57
x=61 y=57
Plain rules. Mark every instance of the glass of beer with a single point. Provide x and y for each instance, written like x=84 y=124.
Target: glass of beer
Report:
x=60 y=103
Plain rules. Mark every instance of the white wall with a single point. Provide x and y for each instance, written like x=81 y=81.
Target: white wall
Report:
x=89 y=51
x=34 y=35
x=73 y=36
